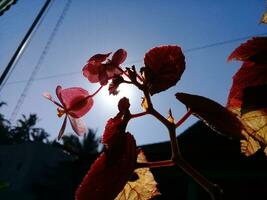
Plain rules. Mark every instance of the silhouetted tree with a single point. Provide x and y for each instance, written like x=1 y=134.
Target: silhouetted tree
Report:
x=4 y=128
x=82 y=147
x=90 y=142
x=24 y=131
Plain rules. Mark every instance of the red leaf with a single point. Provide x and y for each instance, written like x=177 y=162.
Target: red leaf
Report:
x=142 y=188
x=254 y=50
x=112 y=131
x=213 y=114
x=166 y=63
x=108 y=175
x=249 y=75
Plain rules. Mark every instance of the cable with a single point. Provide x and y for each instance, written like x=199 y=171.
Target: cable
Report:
x=221 y=43
x=24 y=44
x=40 y=61
x=138 y=61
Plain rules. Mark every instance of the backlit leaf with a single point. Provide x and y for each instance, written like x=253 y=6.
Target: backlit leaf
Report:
x=170 y=117
x=264 y=18
x=253 y=50
x=256 y=127
x=214 y=115
x=110 y=172
x=248 y=95
x=144 y=104
x=249 y=146
x=165 y=65
x=144 y=188
x=249 y=75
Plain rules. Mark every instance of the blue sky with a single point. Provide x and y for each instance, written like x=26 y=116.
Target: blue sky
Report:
x=100 y=26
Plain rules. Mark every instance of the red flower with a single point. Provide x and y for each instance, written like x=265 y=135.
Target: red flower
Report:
x=75 y=102
x=100 y=69
x=166 y=65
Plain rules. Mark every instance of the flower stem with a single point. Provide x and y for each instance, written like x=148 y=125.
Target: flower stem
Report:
x=92 y=95
x=182 y=120
x=128 y=82
x=214 y=190
x=164 y=163
x=138 y=115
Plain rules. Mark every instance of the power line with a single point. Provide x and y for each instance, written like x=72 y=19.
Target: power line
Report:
x=40 y=61
x=193 y=49
x=222 y=43
x=23 y=44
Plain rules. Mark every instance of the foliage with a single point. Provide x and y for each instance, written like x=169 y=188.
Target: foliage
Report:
x=163 y=68
x=244 y=118
x=23 y=131
x=143 y=186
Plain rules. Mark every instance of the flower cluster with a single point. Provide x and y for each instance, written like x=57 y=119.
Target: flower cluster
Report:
x=163 y=69
x=165 y=65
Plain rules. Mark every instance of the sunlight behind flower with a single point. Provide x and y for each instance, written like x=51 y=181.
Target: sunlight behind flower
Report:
x=125 y=90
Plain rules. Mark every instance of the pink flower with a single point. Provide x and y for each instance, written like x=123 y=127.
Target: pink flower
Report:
x=100 y=69
x=75 y=102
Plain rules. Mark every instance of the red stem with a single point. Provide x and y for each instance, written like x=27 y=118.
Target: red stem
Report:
x=164 y=163
x=92 y=95
x=126 y=74
x=138 y=115
x=182 y=120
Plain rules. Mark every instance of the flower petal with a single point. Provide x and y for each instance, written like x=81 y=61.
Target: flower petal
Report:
x=78 y=125
x=103 y=78
x=77 y=101
x=62 y=129
x=91 y=71
x=58 y=93
x=99 y=57
x=119 y=57
x=48 y=96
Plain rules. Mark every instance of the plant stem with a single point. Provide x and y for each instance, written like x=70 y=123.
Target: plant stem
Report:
x=182 y=120
x=92 y=95
x=213 y=189
x=128 y=82
x=138 y=115
x=164 y=163
x=176 y=153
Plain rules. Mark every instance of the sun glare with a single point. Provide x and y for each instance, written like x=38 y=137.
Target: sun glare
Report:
x=125 y=90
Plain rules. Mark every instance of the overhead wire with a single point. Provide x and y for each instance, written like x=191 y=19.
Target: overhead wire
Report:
x=39 y=62
x=25 y=45
x=189 y=50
